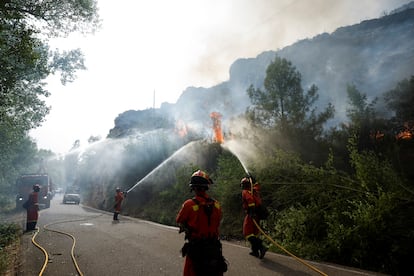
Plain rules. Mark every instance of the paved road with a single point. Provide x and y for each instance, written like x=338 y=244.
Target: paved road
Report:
x=135 y=247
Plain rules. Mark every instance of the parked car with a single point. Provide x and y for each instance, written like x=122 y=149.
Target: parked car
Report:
x=71 y=196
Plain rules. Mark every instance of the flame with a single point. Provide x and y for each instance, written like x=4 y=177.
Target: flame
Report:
x=377 y=135
x=218 y=134
x=404 y=135
x=407 y=133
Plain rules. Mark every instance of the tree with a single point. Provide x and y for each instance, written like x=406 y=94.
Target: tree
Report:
x=364 y=121
x=360 y=112
x=284 y=107
x=57 y=18
x=283 y=102
x=26 y=61
x=401 y=100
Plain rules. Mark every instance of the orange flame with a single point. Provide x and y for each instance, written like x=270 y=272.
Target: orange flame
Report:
x=407 y=133
x=218 y=134
x=404 y=135
x=377 y=135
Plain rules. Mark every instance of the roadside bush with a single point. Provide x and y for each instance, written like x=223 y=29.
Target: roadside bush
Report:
x=9 y=233
x=6 y=204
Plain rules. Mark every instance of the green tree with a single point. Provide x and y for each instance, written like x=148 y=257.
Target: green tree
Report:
x=57 y=18
x=363 y=118
x=401 y=100
x=364 y=122
x=283 y=102
x=26 y=61
x=283 y=107
x=360 y=112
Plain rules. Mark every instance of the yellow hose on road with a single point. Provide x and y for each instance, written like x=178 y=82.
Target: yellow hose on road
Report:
x=64 y=233
x=73 y=245
x=47 y=255
x=43 y=250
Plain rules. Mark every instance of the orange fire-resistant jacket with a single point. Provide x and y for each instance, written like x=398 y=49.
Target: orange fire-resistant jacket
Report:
x=193 y=216
x=195 y=219
x=33 y=207
x=250 y=200
x=119 y=196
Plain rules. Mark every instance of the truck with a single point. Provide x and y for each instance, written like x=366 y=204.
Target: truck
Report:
x=24 y=185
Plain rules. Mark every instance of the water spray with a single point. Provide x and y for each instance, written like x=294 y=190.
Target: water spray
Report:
x=159 y=166
x=228 y=147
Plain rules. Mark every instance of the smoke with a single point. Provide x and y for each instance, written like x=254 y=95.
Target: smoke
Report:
x=243 y=28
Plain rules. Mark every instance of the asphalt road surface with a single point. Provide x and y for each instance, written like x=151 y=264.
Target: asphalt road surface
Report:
x=135 y=247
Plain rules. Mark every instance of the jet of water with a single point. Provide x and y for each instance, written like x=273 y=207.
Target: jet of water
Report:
x=233 y=148
x=160 y=165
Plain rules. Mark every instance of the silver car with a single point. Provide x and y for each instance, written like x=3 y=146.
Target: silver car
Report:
x=71 y=196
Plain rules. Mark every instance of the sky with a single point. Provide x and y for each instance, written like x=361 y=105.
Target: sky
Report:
x=148 y=52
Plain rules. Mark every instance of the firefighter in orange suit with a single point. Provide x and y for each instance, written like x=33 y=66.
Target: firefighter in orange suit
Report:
x=200 y=219
x=251 y=200
x=32 y=207
x=119 y=197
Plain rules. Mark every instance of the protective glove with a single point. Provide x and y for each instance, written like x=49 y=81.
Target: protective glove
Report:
x=252 y=178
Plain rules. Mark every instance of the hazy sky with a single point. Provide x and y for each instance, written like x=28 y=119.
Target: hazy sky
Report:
x=164 y=46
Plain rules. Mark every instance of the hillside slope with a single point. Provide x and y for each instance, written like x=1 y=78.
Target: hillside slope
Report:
x=374 y=55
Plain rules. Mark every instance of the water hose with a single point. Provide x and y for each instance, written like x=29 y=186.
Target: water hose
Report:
x=43 y=250
x=278 y=245
x=72 y=254
x=287 y=252
x=75 y=263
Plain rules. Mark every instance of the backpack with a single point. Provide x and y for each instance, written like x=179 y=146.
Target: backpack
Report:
x=207 y=207
x=206 y=254
x=261 y=212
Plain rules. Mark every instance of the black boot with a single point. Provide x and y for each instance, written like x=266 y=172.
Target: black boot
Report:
x=115 y=216
x=262 y=250
x=254 y=246
x=30 y=226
